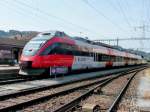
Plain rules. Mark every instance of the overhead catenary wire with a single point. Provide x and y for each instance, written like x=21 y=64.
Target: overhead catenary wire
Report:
x=147 y=11
x=113 y=5
x=39 y=20
x=42 y=20
x=123 y=13
x=58 y=18
x=5 y=4
x=142 y=12
x=36 y=19
x=127 y=8
x=103 y=15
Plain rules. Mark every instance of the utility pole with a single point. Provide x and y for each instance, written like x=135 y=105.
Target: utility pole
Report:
x=117 y=41
x=143 y=28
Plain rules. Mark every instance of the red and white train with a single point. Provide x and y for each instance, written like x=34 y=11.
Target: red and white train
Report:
x=55 y=52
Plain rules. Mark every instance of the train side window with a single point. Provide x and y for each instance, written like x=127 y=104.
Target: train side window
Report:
x=64 y=49
x=120 y=58
x=85 y=54
x=117 y=58
x=99 y=57
x=114 y=58
x=77 y=53
x=91 y=54
x=111 y=58
x=105 y=57
x=108 y=58
x=49 y=48
x=53 y=51
x=68 y=52
x=95 y=56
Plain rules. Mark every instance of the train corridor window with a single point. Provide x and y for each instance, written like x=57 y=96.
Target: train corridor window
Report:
x=117 y=59
x=99 y=57
x=85 y=54
x=91 y=54
x=96 y=56
x=104 y=57
x=112 y=58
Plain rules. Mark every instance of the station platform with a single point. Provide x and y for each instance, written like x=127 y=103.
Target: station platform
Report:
x=143 y=92
x=10 y=88
x=7 y=71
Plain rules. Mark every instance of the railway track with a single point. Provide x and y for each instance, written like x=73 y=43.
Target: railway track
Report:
x=114 y=105
x=40 y=88
x=10 y=78
x=19 y=79
x=106 y=99
x=10 y=81
x=130 y=98
x=30 y=97
x=71 y=105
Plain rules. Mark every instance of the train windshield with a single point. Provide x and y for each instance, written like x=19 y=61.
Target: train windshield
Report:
x=35 y=44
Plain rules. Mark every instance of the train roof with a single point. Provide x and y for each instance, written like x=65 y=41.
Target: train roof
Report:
x=115 y=50
x=84 y=41
x=53 y=32
x=94 y=43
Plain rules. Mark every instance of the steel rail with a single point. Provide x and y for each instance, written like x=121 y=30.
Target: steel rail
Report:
x=10 y=81
x=76 y=101
x=17 y=80
x=46 y=87
x=120 y=95
x=43 y=98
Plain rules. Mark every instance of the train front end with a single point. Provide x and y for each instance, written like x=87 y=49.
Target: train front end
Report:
x=30 y=61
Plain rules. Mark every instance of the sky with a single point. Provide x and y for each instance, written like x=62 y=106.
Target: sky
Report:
x=95 y=19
